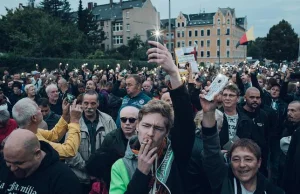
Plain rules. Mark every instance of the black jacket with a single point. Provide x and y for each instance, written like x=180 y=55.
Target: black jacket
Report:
x=117 y=91
x=220 y=175
x=112 y=148
x=291 y=177
x=51 y=177
x=182 y=141
x=51 y=120
x=194 y=93
x=244 y=129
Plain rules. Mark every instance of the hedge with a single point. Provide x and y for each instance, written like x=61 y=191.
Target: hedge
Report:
x=27 y=64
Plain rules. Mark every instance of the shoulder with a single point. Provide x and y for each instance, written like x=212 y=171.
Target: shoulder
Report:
x=119 y=165
x=105 y=116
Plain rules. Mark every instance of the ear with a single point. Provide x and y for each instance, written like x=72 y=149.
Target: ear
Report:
x=259 y=163
x=34 y=118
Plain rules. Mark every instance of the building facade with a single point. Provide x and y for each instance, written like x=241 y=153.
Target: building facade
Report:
x=122 y=20
x=215 y=34
x=164 y=29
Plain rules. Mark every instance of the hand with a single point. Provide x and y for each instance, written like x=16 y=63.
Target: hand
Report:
x=208 y=106
x=163 y=57
x=66 y=110
x=75 y=112
x=120 y=78
x=146 y=157
x=288 y=75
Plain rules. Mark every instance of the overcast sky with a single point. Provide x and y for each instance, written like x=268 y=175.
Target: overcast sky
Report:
x=262 y=14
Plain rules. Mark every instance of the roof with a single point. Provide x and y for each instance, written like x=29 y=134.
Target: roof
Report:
x=107 y=12
x=201 y=19
x=240 y=21
x=165 y=22
x=224 y=10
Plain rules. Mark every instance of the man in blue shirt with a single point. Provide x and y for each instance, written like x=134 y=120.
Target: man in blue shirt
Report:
x=135 y=97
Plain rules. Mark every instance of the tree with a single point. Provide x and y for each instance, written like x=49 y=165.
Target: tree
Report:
x=256 y=49
x=281 y=43
x=32 y=32
x=57 y=8
x=135 y=43
x=89 y=26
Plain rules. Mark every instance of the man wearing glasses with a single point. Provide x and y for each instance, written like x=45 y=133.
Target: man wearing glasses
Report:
x=135 y=96
x=114 y=145
x=236 y=124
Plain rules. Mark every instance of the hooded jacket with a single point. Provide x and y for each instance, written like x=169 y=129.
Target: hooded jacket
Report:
x=51 y=177
x=126 y=177
x=220 y=176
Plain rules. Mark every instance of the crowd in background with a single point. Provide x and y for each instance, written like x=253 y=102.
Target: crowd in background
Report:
x=151 y=131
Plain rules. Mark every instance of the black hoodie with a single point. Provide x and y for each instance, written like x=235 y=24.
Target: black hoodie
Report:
x=51 y=177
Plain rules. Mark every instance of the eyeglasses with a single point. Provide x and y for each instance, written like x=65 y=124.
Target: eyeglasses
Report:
x=131 y=120
x=229 y=95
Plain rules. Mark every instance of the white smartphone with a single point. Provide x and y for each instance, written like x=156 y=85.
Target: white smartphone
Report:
x=216 y=86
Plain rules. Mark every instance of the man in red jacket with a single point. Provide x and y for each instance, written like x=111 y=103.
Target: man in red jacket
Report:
x=7 y=125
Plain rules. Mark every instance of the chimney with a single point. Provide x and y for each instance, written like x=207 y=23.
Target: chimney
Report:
x=111 y=3
x=20 y=6
x=95 y=4
x=121 y=2
x=90 y=5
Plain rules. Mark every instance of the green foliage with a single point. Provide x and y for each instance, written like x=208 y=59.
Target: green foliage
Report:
x=281 y=43
x=22 y=64
x=135 y=43
x=32 y=32
x=57 y=8
x=256 y=49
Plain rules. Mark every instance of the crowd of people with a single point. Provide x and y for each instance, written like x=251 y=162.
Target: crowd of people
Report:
x=137 y=131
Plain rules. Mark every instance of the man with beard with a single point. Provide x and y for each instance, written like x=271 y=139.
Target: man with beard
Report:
x=53 y=95
x=94 y=126
x=261 y=122
x=291 y=147
x=90 y=86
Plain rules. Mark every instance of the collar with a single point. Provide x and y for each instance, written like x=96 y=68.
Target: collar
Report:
x=88 y=121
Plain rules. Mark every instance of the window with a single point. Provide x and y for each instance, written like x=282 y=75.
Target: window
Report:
x=228 y=21
x=190 y=43
x=218 y=42
x=117 y=27
x=127 y=14
x=128 y=38
x=219 y=21
x=218 y=53
x=183 y=44
x=196 y=42
x=196 y=33
x=182 y=33
x=178 y=34
x=178 y=24
x=228 y=54
x=208 y=32
x=172 y=45
x=190 y=33
x=228 y=31
x=118 y=40
x=202 y=43
x=128 y=27
x=208 y=54
x=228 y=42
x=202 y=32
x=102 y=23
x=182 y=24
x=208 y=43
x=219 y=32
x=178 y=44
x=202 y=54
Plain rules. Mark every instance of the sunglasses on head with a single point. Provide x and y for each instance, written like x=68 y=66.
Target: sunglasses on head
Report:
x=131 y=120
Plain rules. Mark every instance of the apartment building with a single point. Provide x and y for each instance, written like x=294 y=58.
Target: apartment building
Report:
x=216 y=35
x=164 y=29
x=122 y=20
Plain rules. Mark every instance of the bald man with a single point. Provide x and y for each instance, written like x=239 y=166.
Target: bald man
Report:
x=114 y=145
x=261 y=121
x=33 y=166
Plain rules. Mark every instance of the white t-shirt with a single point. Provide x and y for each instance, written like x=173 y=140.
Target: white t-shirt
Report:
x=232 y=122
x=245 y=191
